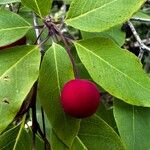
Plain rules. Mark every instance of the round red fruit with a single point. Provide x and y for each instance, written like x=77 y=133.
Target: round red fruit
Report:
x=80 y=98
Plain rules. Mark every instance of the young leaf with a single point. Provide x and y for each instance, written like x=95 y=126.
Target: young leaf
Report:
x=114 y=33
x=19 y=70
x=56 y=70
x=96 y=134
x=12 y=27
x=100 y=15
x=8 y=1
x=133 y=123
x=118 y=71
x=41 y=7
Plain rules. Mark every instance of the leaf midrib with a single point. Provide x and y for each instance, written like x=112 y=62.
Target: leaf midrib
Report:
x=19 y=134
x=38 y=8
x=57 y=72
x=82 y=143
x=17 y=62
x=58 y=85
x=88 y=12
x=114 y=67
x=59 y=88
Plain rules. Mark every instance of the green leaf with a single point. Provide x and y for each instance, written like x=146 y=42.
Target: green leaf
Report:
x=56 y=143
x=41 y=7
x=12 y=27
x=114 y=33
x=116 y=70
x=100 y=15
x=8 y=1
x=68 y=1
x=107 y=115
x=96 y=134
x=133 y=123
x=18 y=138
x=140 y=14
x=19 y=70
x=56 y=69
x=78 y=145
x=82 y=71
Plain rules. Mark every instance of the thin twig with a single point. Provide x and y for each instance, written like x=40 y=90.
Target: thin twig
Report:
x=63 y=9
x=43 y=116
x=43 y=122
x=35 y=125
x=67 y=47
x=145 y=41
x=34 y=120
x=10 y=7
x=39 y=36
x=39 y=27
x=146 y=20
x=18 y=9
x=137 y=37
x=47 y=144
x=53 y=29
x=45 y=40
x=37 y=31
x=141 y=54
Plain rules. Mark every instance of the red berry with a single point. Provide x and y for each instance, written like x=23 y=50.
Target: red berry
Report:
x=80 y=98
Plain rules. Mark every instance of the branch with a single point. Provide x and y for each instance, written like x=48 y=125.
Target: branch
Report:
x=145 y=41
x=40 y=42
x=140 y=19
x=68 y=49
x=137 y=37
x=37 y=32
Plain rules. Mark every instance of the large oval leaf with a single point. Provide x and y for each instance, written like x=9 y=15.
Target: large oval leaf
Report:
x=100 y=15
x=19 y=68
x=56 y=70
x=96 y=134
x=133 y=123
x=41 y=7
x=12 y=27
x=118 y=71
